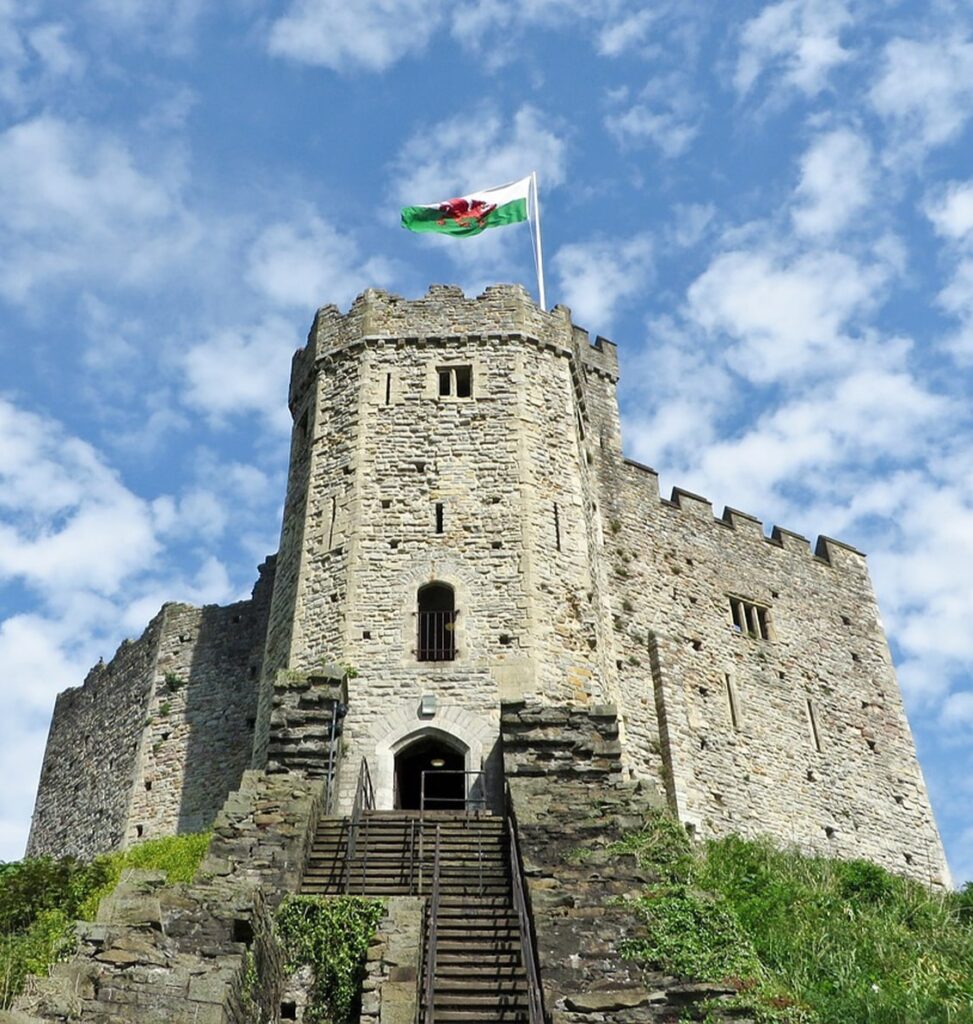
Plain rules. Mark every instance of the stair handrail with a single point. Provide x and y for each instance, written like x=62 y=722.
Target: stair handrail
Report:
x=521 y=901
x=431 y=935
x=364 y=801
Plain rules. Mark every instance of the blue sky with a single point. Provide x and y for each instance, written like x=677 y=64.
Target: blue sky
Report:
x=769 y=207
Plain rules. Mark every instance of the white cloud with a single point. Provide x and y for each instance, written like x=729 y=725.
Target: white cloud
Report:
x=784 y=317
x=925 y=90
x=666 y=114
x=800 y=39
x=70 y=522
x=163 y=24
x=629 y=32
x=951 y=210
x=370 y=34
x=836 y=183
x=450 y=157
x=244 y=371
x=597 y=277
x=59 y=57
x=75 y=207
x=302 y=265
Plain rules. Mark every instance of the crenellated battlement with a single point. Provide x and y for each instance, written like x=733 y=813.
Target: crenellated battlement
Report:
x=827 y=550
x=444 y=314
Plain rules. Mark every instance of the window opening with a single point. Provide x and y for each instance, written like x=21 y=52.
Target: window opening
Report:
x=813 y=723
x=334 y=513
x=436 y=619
x=464 y=381
x=731 y=702
x=456 y=381
x=749 y=618
x=439 y=517
x=557 y=527
x=388 y=389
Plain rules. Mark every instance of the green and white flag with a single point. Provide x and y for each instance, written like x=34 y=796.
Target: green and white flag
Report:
x=469 y=215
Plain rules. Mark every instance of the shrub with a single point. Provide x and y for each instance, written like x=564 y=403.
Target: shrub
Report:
x=331 y=935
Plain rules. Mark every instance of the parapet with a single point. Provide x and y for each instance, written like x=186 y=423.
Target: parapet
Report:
x=502 y=310
x=827 y=550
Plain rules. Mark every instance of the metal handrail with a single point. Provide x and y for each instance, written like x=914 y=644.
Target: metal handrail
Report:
x=466 y=800
x=521 y=901
x=329 y=798
x=429 y=966
x=364 y=801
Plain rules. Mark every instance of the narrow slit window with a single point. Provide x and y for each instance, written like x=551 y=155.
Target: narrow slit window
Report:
x=557 y=527
x=813 y=724
x=732 y=702
x=439 y=517
x=334 y=513
x=445 y=382
x=388 y=389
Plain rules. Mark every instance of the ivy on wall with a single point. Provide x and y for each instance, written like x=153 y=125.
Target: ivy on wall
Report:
x=331 y=935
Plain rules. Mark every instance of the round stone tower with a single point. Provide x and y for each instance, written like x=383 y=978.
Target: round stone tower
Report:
x=441 y=529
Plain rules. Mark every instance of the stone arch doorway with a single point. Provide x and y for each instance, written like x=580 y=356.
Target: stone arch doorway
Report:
x=441 y=764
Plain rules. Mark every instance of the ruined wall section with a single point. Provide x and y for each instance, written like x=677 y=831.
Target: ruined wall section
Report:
x=800 y=734
x=198 y=736
x=154 y=741
x=92 y=754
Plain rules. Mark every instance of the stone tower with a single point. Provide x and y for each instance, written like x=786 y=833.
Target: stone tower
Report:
x=443 y=449
x=462 y=533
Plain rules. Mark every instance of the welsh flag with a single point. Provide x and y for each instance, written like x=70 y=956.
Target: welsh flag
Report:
x=469 y=215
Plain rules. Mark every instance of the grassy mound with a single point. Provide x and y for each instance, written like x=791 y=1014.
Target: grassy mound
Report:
x=41 y=898
x=804 y=939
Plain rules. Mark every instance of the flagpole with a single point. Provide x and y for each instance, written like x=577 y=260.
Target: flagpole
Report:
x=537 y=240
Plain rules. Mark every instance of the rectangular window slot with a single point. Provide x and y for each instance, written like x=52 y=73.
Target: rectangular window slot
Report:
x=455 y=381
x=813 y=723
x=557 y=527
x=732 y=703
x=388 y=389
x=439 y=517
x=751 y=619
x=464 y=381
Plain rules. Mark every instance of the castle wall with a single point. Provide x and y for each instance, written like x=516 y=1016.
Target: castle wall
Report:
x=198 y=736
x=802 y=734
x=154 y=741
x=92 y=754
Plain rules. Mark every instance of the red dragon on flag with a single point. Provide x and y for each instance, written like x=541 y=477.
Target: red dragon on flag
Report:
x=466 y=212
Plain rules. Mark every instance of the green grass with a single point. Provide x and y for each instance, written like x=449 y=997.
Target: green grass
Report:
x=41 y=898
x=804 y=939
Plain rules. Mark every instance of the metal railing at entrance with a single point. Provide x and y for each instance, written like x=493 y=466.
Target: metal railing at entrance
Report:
x=473 y=799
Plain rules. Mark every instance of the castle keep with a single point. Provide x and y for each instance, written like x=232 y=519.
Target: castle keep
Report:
x=464 y=542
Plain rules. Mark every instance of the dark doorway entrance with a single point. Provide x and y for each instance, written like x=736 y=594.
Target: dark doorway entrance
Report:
x=445 y=781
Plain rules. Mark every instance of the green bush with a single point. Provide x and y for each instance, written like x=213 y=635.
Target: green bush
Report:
x=331 y=935
x=804 y=940
x=40 y=898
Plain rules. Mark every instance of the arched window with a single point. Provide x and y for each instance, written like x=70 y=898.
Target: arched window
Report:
x=436 y=639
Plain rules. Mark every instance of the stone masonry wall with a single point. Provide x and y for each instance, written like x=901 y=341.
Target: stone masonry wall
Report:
x=153 y=742
x=801 y=735
x=198 y=738
x=572 y=801
x=92 y=754
x=506 y=467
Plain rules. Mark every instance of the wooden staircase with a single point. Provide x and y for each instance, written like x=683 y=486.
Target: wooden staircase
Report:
x=479 y=973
